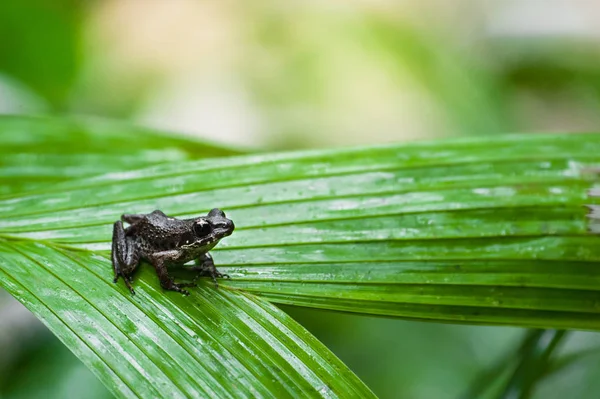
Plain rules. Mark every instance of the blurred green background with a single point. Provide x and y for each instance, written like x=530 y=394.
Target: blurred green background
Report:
x=303 y=74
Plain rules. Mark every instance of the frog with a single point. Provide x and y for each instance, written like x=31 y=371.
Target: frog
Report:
x=165 y=241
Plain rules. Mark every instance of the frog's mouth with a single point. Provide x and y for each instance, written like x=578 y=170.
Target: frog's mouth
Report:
x=227 y=230
x=223 y=234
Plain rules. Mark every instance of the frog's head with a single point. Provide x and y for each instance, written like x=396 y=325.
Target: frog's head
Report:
x=212 y=227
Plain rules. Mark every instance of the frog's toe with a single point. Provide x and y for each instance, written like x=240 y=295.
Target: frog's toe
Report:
x=178 y=287
x=192 y=284
x=220 y=275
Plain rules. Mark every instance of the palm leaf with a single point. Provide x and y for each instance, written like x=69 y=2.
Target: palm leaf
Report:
x=38 y=151
x=479 y=231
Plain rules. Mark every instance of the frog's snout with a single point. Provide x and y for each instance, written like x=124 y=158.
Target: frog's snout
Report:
x=230 y=226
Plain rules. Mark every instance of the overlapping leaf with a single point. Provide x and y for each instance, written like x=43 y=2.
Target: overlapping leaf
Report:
x=465 y=231
x=213 y=343
x=216 y=343
x=41 y=151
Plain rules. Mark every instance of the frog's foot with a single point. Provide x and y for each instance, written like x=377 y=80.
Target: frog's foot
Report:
x=209 y=271
x=218 y=274
x=206 y=267
x=178 y=287
x=158 y=261
x=128 y=280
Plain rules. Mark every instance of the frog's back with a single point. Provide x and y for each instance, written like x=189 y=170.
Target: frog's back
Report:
x=158 y=222
x=156 y=218
x=158 y=231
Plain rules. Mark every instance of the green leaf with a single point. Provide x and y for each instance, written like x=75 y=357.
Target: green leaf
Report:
x=490 y=231
x=38 y=151
x=516 y=373
x=214 y=343
x=223 y=343
x=535 y=354
x=478 y=231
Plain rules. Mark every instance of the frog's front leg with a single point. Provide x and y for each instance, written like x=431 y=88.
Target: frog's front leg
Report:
x=125 y=256
x=160 y=260
x=207 y=268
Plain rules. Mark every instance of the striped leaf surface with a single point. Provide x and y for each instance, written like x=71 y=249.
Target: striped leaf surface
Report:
x=494 y=231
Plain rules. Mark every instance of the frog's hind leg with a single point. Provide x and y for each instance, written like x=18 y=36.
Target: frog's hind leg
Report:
x=125 y=256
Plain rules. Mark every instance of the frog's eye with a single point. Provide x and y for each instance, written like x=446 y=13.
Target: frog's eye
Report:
x=216 y=212
x=202 y=228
